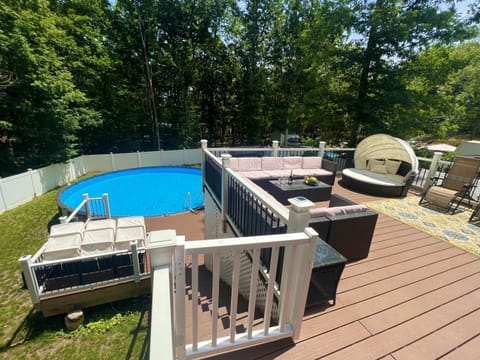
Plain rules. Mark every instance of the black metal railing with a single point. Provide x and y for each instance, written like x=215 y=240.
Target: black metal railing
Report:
x=213 y=177
x=239 y=152
x=249 y=214
x=342 y=157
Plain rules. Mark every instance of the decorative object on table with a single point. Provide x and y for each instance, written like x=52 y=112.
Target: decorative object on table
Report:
x=310 y=180
x=290 y=179
x=454 y=229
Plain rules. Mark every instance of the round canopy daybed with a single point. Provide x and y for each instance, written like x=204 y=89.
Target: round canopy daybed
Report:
x=384 y=166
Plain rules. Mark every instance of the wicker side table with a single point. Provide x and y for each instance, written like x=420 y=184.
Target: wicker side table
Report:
x=327 y=270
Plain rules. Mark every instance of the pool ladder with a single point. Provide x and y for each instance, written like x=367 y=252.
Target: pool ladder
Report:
x=188 y=199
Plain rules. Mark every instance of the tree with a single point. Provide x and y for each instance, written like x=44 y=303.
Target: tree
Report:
x=390 y=32
x=42 y=108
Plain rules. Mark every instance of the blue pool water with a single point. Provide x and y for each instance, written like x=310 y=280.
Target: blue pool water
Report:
x=142 y=191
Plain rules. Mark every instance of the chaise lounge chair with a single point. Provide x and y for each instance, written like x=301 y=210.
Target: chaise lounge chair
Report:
x=455 y=187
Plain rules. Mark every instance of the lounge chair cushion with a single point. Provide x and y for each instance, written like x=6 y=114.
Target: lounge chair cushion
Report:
x=62 y=247
x=75 y=227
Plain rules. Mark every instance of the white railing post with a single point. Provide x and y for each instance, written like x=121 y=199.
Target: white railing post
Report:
x=298 y=219
x=2 y=196
x=106 y=205
x=433 y=169
x=139 y=159
x=225 y=165
x=162 y=336
x=180 y=322
x=136 y=263
x=112 y=161
x=30 y=281
x=301 y=280
x=321 y=148
x=275 y=146
x=204 y=146
x=87 y=205
x=299 y=216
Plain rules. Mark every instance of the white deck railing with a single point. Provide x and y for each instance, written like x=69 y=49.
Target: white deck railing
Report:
x=297 y=265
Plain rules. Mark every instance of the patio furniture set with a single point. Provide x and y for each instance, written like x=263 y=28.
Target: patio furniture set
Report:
x=345 y=228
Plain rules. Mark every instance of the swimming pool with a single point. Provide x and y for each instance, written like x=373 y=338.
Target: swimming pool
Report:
x=149 y=191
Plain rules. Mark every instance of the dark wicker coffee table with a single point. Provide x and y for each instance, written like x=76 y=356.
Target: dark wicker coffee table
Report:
x=283 y=192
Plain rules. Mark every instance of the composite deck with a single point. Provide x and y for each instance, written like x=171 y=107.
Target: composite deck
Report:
x=414 y=297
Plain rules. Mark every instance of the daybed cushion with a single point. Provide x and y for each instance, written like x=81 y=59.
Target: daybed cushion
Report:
x=375 y=178
x=337 y=210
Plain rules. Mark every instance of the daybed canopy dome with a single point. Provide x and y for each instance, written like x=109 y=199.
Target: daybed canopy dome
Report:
x=382 y=146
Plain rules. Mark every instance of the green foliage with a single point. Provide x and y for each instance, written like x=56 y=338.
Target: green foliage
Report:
x=85 y=76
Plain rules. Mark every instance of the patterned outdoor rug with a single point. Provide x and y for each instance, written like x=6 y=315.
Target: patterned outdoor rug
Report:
x=453 y=229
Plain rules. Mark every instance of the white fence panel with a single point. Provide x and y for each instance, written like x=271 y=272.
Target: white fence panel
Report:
x=77 y=167
x=192 y=156
x=101 y=162
x=17 y=190
x=150 y=158
x=172 y=158
x=50 y=177
x=125 y=161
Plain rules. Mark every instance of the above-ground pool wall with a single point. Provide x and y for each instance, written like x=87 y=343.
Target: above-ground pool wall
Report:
x=21 y=188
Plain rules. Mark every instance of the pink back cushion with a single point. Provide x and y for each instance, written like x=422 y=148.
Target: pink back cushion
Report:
x=292 y=162
x=312 y=162
x=272 y=163
x=249 y=164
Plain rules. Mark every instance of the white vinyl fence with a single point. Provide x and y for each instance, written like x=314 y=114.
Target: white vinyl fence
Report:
x=21 y=188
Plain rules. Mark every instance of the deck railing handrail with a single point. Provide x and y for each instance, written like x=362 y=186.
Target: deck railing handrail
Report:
x=299 y=254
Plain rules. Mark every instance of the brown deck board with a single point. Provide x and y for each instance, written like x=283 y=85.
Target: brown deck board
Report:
x=414 y=297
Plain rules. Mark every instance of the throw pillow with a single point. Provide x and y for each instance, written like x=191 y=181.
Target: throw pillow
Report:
x=380 y=169
x=392 y=166
x=374 y=162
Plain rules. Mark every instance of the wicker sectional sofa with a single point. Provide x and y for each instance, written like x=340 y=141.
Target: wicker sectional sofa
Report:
x=261 y=170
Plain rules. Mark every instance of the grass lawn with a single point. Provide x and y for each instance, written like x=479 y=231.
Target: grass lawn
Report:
x=112 y=331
